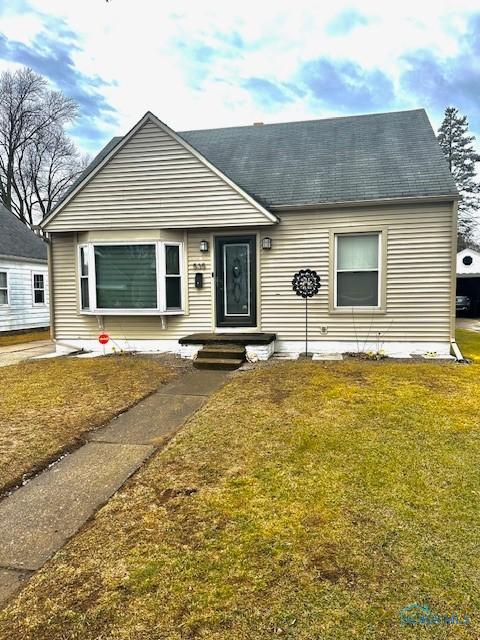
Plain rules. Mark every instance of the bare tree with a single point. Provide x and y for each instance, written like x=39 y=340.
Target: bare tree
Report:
x=45 y=169
x=37 y=160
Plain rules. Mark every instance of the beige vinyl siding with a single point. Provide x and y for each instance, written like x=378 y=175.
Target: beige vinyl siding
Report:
x=67 y=321
x=418 y=276
x=154 y=182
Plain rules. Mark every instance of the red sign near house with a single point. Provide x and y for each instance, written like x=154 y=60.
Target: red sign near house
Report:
x=103 y=338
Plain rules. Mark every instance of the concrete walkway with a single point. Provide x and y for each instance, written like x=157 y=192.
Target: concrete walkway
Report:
x=37 y=519
x=471 y=324
x=15 y=353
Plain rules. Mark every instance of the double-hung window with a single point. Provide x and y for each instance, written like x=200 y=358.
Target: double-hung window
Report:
x=3 y=288
x=38 y=284
x=357 y=270
x=135 y=278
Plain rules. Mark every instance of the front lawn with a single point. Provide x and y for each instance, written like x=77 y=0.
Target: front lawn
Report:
x=47 y=405
x=304 y=501
x=469 y=343
x=22 y=337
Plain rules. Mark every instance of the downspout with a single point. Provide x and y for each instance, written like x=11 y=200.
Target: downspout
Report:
x=453 y=316
x=50 y=286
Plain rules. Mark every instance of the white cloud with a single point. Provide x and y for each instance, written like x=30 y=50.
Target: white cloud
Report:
x=137 y=46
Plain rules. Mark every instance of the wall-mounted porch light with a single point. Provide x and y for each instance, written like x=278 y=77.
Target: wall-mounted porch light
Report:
x=266 y=243
x=203 y=245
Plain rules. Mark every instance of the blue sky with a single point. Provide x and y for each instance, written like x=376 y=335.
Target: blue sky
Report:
x=215 y=63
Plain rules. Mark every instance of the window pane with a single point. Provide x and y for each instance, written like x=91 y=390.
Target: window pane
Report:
x=39 y=296
x=236 y=279
x=3 y=280
x=38 y=280
x=357 y=289
x=3 y=296
x=357 y=252
x=83 y=262
x=85 y=299
x=126 y=277
x=172 y=259
x=173 y=292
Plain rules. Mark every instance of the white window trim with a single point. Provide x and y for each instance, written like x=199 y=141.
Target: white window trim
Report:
x=160 y=309
x=34 y=288
x=376 y=307
x=163 y=279
x=7 y=288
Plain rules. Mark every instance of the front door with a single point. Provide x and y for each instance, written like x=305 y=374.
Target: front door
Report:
x=236 y=281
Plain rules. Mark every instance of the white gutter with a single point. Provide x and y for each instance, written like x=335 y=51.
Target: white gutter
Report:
x=364 y=203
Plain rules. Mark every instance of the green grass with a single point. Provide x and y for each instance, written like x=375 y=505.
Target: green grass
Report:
x=46 y=406
x=469 y=343
x=304 y=501
x=22 y=337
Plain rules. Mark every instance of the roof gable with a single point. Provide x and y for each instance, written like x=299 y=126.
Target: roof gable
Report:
x=152 y=177
x=473 y=268
x=17 y=240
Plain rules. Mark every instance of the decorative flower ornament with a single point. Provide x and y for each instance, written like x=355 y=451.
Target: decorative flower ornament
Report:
x=306 y=283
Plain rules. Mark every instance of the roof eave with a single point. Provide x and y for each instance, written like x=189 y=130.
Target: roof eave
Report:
x=364 y=203
x=9 y=256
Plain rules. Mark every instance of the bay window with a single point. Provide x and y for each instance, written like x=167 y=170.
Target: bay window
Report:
x=135 y=278
x=357 y=270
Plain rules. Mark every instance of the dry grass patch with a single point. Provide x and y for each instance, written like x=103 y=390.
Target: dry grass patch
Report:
x=47 y=405
x=20 y=338
x=303 y=501
x=469 y=343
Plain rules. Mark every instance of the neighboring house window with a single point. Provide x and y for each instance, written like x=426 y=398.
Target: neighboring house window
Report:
x=38 y=288
x=357 y=266
x=140 y=277
x=3 y=288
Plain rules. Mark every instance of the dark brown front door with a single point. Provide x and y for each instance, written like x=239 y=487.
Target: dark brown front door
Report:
x=236 y=281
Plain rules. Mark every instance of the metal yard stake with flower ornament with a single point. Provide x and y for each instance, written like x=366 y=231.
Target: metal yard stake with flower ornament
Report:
x=306 y=284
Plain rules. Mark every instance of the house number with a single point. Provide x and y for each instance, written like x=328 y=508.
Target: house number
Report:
x=199 y=266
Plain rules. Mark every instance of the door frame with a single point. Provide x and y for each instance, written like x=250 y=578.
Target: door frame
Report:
x=232 y=237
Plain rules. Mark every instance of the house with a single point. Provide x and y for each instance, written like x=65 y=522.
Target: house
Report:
x=468 y=277
x=24 y=300
x=170 y=240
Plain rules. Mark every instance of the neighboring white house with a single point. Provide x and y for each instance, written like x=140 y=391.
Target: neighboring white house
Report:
x=24 y=300
x=468 y=264
x=468 y=277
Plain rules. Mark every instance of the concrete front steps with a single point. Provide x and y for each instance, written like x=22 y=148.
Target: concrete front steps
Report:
x=220 y=356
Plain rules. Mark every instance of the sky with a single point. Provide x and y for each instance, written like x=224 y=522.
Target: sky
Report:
x=218 y=63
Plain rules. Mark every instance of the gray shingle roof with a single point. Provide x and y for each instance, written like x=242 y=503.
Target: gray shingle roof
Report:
x=369 y=157
x=386 y=155
x=17 y=240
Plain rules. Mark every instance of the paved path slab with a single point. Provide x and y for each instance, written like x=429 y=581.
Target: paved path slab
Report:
x=470 y=324
x=38 y=518
x=15 y=353
x=150 y=421
x=195 y=383
x=10 y=582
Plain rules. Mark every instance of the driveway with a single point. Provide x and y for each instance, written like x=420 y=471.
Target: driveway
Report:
x=471 y=324
x=16 y=353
